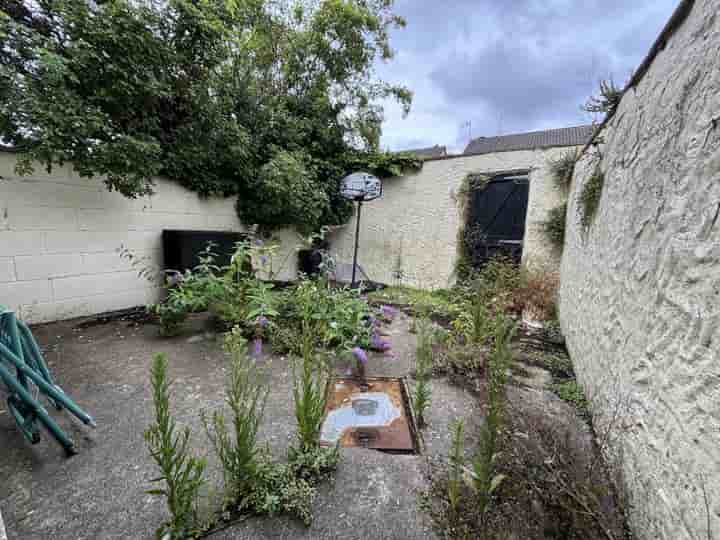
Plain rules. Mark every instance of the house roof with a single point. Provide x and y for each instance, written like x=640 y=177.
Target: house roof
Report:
x=428 y=153
x=571 y=136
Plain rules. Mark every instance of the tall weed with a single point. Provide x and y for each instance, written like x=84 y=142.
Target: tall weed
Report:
x=180 y=471
x=246 y=395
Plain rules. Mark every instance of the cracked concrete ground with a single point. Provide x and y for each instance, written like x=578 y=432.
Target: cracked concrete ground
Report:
x=100 y=493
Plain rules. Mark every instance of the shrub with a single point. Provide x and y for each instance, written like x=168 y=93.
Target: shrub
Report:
x=538 y=292
x=554 y=226
x=245 y=396
x=562 y=168
x=590 y=197
x=180 y=471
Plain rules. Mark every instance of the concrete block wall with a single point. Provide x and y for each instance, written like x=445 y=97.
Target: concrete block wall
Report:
x=414 y=226
x=60 y=237
x=640 y=288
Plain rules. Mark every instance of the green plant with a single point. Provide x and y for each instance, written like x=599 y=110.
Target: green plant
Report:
x=130 y=90
x=484 y=479
x=195 y=290
x=336 y=318
x=563 y=167
x=424 y=354
x=590 y=197
x=180 y=471
x=310 y=393
x=571 y=392
x=608 y=100
x=245 y=395
x=554 y=226
x=456 y=466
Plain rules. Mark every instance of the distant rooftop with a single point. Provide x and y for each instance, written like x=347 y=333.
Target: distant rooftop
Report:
x=571 y=136
x=428 y=153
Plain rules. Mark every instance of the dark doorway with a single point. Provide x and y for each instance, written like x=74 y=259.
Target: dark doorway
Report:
x=496 y=224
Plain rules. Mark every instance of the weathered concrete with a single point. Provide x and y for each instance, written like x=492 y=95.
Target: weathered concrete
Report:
x=100 y=493
x=640 y=289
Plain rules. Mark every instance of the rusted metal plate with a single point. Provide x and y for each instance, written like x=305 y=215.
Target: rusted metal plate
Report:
x=370 y=413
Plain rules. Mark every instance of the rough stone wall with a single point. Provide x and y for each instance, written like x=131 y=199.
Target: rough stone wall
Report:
x=640 y=288
x=60 y=235
x=413 y=228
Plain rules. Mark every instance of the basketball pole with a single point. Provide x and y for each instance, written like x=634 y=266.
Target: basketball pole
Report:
x=357 y=239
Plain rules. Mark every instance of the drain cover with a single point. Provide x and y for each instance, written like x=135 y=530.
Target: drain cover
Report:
x=370 y=413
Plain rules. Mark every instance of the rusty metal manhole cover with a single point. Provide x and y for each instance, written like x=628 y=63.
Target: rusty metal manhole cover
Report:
x=370 y=413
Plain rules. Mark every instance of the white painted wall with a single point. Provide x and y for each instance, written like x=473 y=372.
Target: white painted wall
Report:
x=640 y=290
x=60 y=235
x=414 y=225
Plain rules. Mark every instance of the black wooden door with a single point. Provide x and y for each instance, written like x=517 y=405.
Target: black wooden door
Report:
x=497 y=219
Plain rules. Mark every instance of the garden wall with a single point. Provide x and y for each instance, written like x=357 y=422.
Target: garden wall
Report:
x=60 y=237
x=640 y=288
x=412 y=230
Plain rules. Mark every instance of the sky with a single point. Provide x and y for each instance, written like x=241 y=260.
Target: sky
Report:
x=494 y=67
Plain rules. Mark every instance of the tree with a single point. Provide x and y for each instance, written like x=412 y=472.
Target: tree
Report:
x=269 y=100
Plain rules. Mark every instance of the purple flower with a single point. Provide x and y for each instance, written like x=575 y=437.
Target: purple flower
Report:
x=388 y=312
x=262 y=321
x=258 y=242
x=379 y=343
x=257 y=347
x=359 y=354
x=263 y=260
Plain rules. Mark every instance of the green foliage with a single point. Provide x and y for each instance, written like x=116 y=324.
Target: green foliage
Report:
x=310 y=378
x=455 y=466
x=573 y=393
x=236 y=449
x=438 y=303
x=424 y=354
x=180 y=472
x=590 y=197
x=608 y=100
x=554 y=226
x=290 y=488
x=337 y=318
x=484 y=479
x=563 y=167
x=270 y=101
x=196 y=290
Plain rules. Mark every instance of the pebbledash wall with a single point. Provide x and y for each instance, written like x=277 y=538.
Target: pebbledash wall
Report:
x=412 y=230
x=640 y=289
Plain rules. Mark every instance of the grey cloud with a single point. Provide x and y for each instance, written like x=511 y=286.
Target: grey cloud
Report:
x=511 y=65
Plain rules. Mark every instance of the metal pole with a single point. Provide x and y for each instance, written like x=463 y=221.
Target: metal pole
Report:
x=3 y=535
x=357 y=237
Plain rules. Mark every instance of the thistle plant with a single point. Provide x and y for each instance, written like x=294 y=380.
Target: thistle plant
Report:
x=180 y=471
x=246 y=395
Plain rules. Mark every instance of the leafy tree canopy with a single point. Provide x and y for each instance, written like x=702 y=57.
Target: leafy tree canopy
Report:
x=269 y=100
